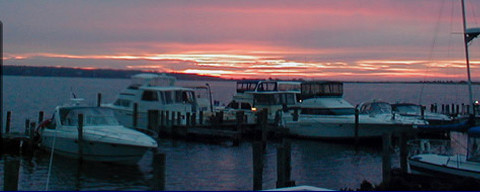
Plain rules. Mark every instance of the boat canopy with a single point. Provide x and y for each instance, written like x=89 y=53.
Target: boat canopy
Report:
x=92 y=116
x=246 y=85
x=150 y=79
x=312 y=89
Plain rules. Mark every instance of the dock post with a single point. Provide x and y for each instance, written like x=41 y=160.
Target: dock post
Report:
x=463 y=108
x=10 y=175
x=135 y=116
x=194 y=119
x=80 y=137
x=447 y=109
x=200 y=118
x=9 y=120
x=179 y=118
x=295 y=115
x=458 y=110
x=153 y=120
x=27 y=127
x=453 y=109
x=357 y=112
x=468 y=109
x=422 y=112
x=167 y=122
x=159 y=161
x=30 y=144
x=403 y=152
x=99 y=99
x=386 y=159
x=257 y=150
x=162 y=122
x=284 y=165
x=443 y=108
x=40 y=117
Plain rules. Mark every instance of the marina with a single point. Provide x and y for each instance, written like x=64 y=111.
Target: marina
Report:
x=190 y=163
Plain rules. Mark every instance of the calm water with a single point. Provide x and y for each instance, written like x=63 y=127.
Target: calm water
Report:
x=200 y=166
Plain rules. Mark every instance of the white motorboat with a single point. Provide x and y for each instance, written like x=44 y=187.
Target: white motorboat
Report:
x=414 y=110
x=270 y=95
x=104 y=139
x=447 y=164
x=459 y=164
x=155 y=92
x=325 y=114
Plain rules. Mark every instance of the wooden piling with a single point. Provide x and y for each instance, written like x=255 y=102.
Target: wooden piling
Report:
x=135 y=116
x=357 y=112
x=40 y=117
x=188 y=120
x=153 y=120
x=179 y=118
x=9 y=120
x=10 y=175
x=162 y=121
x=27 y=127
x=422 y=112
x=200 y=118
x=386 y=158
x=257 y=150
x=80 y=136
x=403 y=152
x=99 y=99
x=295 y=115
x=284 y=165
x=159 y=161
x=443 y=109
x=194 y=119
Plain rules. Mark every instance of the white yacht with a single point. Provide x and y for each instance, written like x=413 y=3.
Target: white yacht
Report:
x=104 y=139
x=255 y=95
x=414 y=110
x=155 y=92
x=323 y=113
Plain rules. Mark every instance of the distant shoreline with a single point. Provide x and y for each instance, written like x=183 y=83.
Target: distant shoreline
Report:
x=10 y=70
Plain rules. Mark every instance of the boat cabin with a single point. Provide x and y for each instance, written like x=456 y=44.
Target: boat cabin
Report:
x=407 y=109
x=92 y=116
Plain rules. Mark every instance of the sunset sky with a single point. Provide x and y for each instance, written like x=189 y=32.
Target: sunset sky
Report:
x=373 y=40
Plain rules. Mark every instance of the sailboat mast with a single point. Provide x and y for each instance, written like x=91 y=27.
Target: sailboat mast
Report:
x=465 y=39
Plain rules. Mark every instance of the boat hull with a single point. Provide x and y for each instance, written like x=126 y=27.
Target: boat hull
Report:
x=440 y=165
x=341 y=128
x=94 y=150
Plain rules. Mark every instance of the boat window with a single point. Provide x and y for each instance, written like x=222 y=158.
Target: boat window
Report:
x=407 y=109
x=267 y=86
x=246 y=106
x=263 y=99
x=287 y=98
x=149 y=96
x=91 y=117
x=325 y=111
x=233 y=105
x=376 y=108
x=168 y=97
x=246 y=86
x=161 y=97
x=473 y=149
x=288 y=87
x=122 y=102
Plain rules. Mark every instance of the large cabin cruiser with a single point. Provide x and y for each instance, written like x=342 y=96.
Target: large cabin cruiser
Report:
x=154 y=92
x=324 y=114
x=104 y=139
x=257 y=95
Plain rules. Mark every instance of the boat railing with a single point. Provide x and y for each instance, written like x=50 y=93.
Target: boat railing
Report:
x=429 y=146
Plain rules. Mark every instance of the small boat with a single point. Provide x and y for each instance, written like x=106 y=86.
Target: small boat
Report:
x=448 y=165
x=104 y=139
x=418 y=111
x=324 y=114
x=155 y=92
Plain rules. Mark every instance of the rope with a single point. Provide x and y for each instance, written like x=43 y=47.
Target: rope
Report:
x=51 y=161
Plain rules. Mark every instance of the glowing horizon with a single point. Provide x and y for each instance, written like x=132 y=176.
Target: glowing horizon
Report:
x=368 y=40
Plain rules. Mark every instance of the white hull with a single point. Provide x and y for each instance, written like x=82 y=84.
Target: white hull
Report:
x=433 y=164
x=104 y=144
x=341 y=127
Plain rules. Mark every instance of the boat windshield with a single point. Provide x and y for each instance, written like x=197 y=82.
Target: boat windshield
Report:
x=407 y=109
x=92 y=116
x=376 y=108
